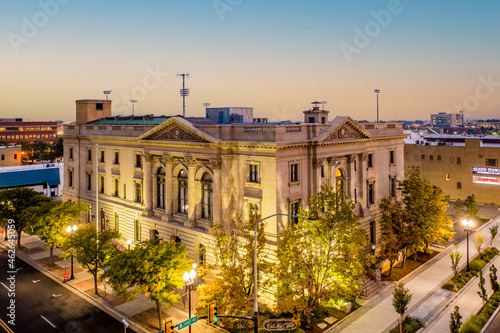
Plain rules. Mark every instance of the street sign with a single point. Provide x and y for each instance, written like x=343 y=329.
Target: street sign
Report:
x=279 y=324
x=106 y=268
x=187 y=323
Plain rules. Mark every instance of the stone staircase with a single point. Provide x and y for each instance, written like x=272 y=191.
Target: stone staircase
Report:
x=370 y=287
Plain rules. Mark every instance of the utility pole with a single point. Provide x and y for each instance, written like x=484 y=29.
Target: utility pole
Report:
x=184 y=92
x=377 y=91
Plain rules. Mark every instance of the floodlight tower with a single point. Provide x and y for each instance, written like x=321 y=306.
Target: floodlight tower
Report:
x=107 y=92
x=133 y=101
x=377 y=91
x=184 y=92
x=206 y=105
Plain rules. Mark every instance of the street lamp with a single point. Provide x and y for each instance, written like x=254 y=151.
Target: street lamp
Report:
x=189 y=278
x=468 y=227
x=69 y=230
x=255 y=305
x=128 y=243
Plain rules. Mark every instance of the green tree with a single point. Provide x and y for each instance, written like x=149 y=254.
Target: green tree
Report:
x=482 y=290
x=321 y=260
x=455 y=321
x=229 y=277
x=153 y=268
x=14 y=204
x=478 y=241
x=426 y=210
x=92 y=249
x=51 y=219
x=493 y=233
x=493 y=279
x=467 y=209
x=455 y=257
x=401 y=297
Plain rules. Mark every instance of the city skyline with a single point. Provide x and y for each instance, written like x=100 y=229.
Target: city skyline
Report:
x=275 y=57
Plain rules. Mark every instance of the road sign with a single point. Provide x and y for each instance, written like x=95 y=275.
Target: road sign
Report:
x=187 y=323
x=106 y=268
x=279 y=324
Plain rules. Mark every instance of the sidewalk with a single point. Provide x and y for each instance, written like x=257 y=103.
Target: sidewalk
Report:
x=37 y=255
x=378 y=314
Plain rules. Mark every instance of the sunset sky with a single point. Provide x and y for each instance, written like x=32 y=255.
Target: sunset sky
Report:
x=274 y=55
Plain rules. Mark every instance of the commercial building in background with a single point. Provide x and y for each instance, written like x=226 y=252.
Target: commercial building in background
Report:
x=10 y=156
x=175 y=177
x=447 y=119
x=230 y=115
x=460 y=164
x=47 y=178
x=15 y=130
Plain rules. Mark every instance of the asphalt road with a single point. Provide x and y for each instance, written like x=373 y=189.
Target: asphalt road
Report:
x=42 y=305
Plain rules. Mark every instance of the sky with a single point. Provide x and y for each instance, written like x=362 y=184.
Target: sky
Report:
x=276 y=56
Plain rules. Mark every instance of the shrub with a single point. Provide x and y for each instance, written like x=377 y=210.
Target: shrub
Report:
x=475 y=323
x=450 y=285
x=477 y=265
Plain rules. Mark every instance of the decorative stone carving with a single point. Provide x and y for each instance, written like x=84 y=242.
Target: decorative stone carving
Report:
x=317 y=162
x=177 y=133
x=192 y=161
x=168 y=159
x=363 y=156
x=215 y=163
x=343 y=133
x=148 y=158
x=331 y=160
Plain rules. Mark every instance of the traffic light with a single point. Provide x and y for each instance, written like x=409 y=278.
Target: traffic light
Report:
x=212 y=313
x=169 y=326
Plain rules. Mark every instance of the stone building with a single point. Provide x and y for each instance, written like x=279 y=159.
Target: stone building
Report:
x=460 y=164
x=175 y=177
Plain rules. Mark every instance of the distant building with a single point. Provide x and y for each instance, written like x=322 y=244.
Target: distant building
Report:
x=460 y=164
x=15 y=130
x=230 y=115
x=447 y=119
x=45 y=178
x=488 y=124
x=10 y=156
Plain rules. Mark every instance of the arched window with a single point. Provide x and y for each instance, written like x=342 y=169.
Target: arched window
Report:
x=207 y=196
x=339 y=180
x=160 y=188
x=182 y=194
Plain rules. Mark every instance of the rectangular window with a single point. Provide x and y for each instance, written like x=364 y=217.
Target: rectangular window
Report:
x=253 y=209
x=459 y=185
x=373 y=232
x=124 y=191
x=254 y=173
x=117 y=158
x=431 y=157
x=422 y=157
x=459 y=160
x=138 y=192
x=70 y=178
x=322 y=171
x=294 y=172
x=439 y=157
x=70 y=153
x=89 y=155
x=491 y=162
x=138 y=161
x=391 y=156
x=355 y=165
x=101 y=159
x=370 y=160
x=294 y=210
x=101 y=187
x=89 y=182
x=15 y=156
x=137 y=230
x=393 y=186
x=355 y=195
x=117 y=183
x=117 y=222
x=3 y=157
x=371 y=194
x=99 y=106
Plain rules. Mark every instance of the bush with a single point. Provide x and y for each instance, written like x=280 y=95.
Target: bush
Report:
x=410 y=325
x=476 y=265
x=475 y=323
x=450 y=285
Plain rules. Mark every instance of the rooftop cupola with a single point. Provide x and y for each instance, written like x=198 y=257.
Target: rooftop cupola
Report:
x=316 y=115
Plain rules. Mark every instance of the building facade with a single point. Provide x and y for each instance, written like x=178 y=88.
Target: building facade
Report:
x=10 y=156
x=15 y=130
x=460 y=164
x=447 y=119
x=46 y=178
x=175 y=177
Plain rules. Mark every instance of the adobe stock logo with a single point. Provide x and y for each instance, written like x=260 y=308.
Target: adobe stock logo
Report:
x=30 y=28
x=223 y=6
x=363 y=37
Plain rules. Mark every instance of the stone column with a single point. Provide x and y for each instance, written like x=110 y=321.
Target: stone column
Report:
x=362 y=181
x=191 y=222
x=147 y=190
x=169 y=189
x=216 y=166
x=351 y=176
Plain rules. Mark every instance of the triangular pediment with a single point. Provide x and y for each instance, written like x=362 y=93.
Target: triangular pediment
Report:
x=343 y=128
x=177 y=129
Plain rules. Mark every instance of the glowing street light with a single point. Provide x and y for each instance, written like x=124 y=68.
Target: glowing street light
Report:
x=69 y=229
x=468 y=227
x=128 y=243
x=189 y=278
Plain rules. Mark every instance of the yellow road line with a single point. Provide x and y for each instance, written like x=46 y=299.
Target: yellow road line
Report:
x=6 y=327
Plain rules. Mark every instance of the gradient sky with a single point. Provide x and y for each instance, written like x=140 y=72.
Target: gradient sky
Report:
x=274 y=55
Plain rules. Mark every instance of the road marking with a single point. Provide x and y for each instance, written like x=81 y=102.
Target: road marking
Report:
x=6 y=327
x=5 y=286
x=35 y=281
x=56 y=295
x=48 y=321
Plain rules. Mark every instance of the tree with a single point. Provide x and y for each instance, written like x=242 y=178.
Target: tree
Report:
x=401 y=297
x=14 y=204
x=321 y=260
x=455 y=257
x=467 y=209
x=426 y=210
x=51 y=219
x=229 y=277
x=93 y=249
x=493 y=279
x=455 y=321
x=493 y=233
x=153 y=268
x=478 y=242
x=482 y=290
